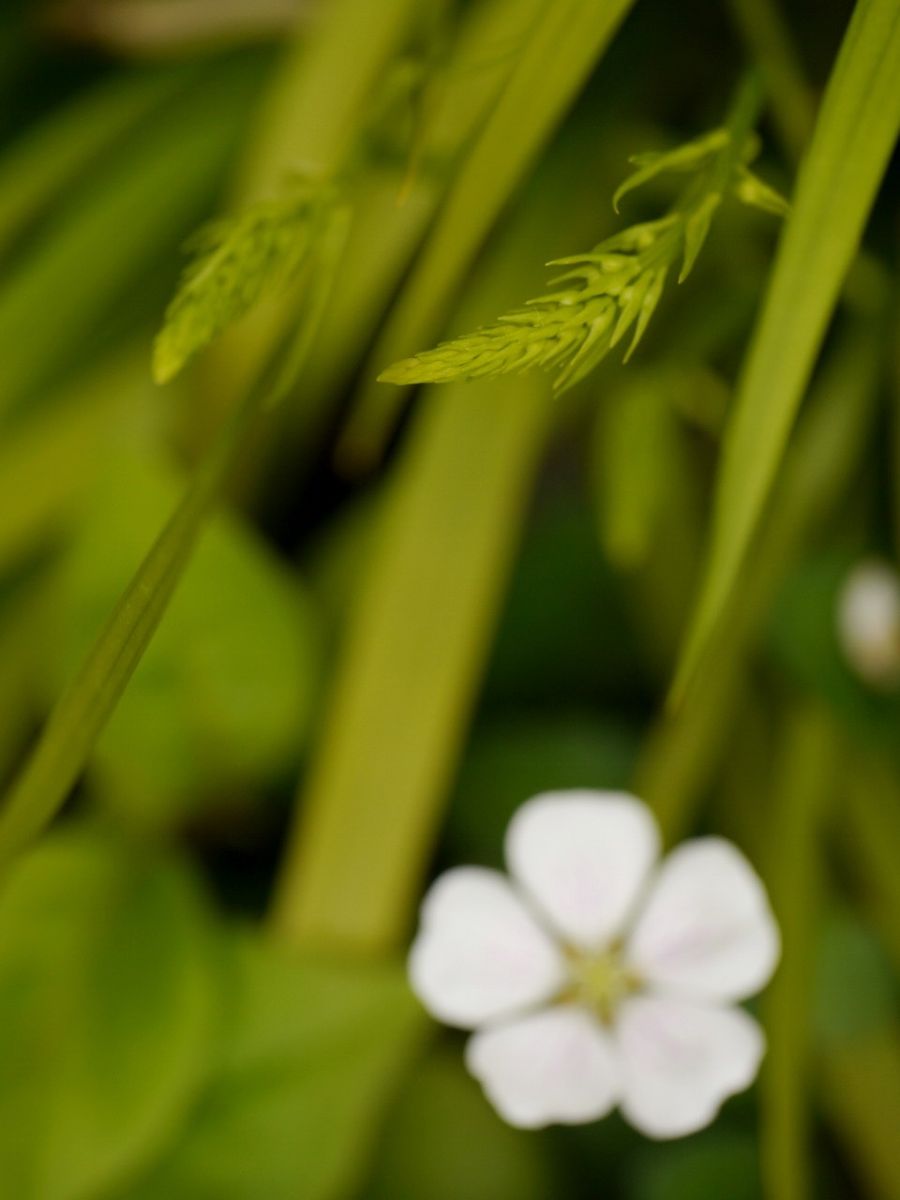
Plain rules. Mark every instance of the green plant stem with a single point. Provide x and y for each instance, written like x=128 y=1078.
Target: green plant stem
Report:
x=81 y=713
x=716 y=177
x=763 y=29
x=740 y=121
x=79 y=717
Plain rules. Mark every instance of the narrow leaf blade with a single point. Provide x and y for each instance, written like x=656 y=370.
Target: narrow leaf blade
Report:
x=852 y=144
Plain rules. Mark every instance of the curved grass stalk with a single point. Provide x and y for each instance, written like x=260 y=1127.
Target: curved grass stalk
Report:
x=853 y=140
x=80 y=715
x=805 y=788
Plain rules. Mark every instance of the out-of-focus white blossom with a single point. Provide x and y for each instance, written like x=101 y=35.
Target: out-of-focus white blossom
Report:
x=593 y=978
x=868 y=621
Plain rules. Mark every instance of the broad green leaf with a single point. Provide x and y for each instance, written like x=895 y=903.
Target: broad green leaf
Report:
x=311 y=1058
x=221 y=700
x=442 y=1117
x=854 y=136
x=108 y=1006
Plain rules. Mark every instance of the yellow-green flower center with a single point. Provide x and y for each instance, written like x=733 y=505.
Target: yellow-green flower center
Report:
x=602 y=981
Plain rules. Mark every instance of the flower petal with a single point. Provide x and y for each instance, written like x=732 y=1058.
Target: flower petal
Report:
x=706 y=929
x=680 y=1060
x=557 y=1066
x=479 y=953
x=583 y=858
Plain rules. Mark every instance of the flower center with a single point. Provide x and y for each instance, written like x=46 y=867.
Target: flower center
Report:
x=602 y=981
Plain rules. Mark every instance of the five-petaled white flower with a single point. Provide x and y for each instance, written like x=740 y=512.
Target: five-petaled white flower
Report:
x=591 y=984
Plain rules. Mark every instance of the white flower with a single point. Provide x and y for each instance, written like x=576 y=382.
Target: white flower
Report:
x=868 y=620
x=591 y=984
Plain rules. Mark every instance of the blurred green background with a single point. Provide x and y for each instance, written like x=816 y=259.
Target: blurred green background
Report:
x=410 y=613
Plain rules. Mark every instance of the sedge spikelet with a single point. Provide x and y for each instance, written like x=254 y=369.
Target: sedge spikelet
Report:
x=235 y=260
x=613 y=289
x=608 y=291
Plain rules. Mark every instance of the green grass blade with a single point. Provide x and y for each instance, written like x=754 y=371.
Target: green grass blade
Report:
x=762 y=26
x=419 y=631
x=74 y=725
x=684 y=750
x=860 y=1090
x=873 y=844
x=411 y=665
x=565 y=43
x=423 y=612
x=318 y=101
x=80 y=715
x=803 y=793
x=851 y=146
